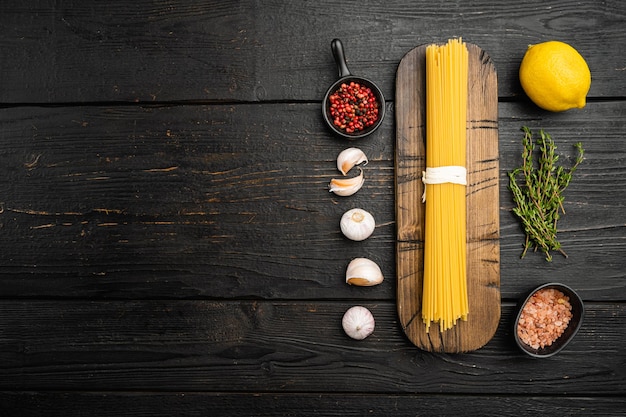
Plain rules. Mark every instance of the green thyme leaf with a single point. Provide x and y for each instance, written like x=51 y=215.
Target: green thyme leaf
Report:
x=537 y=187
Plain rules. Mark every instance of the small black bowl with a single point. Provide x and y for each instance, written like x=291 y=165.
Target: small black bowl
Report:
x=347 y=77
x=578 y=311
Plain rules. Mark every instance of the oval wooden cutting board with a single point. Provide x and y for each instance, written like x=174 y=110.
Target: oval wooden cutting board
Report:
x=483 y=224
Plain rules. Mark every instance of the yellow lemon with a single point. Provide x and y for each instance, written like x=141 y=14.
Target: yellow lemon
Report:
x=555 y=76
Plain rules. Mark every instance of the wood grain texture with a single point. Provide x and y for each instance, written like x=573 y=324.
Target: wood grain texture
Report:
x=231 y=201
x=283 y=347
x=168 y=245
x=88 y=51
x=228 y=404
x=482 y=193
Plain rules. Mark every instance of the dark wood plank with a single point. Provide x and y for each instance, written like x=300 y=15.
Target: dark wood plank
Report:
x=268 y=347
x=114 y=404
x=78 y=51
x=232 y=201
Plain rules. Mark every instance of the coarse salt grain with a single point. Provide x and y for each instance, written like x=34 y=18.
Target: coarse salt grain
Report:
x=544 y=318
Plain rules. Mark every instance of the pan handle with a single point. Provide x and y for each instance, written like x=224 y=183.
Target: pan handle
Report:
x=340 y=58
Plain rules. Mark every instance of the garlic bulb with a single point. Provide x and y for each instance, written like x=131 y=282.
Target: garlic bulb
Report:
x=358 y=322
x=346 y=187
x=357 y=224
x=363 y=272
x=350 y=157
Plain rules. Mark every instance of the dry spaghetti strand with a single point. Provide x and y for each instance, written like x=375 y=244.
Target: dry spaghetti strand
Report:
x=444 y=293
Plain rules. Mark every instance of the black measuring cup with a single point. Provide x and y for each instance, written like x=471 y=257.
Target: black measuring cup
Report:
x=346 y=77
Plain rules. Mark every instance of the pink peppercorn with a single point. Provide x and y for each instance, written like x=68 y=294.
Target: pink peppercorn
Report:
x=353 y=107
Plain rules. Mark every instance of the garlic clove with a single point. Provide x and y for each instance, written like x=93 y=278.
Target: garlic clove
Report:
x=347 y=186
x=357 y=224
x=350 y=157
x=363 y=272
x=358 y=322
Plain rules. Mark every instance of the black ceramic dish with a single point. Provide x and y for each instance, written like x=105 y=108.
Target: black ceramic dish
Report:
x=578 y=311
x=346 y=77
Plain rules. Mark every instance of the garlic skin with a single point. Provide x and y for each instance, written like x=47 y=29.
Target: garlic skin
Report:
x=358 y=322
x=357 y=224
x=363 y=272
x=347 y=186
x=350 y=157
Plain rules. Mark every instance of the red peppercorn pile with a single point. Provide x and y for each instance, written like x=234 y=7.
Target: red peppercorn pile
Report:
x=353 y=107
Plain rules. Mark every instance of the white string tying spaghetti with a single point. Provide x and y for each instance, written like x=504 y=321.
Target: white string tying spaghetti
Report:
x=440 y=175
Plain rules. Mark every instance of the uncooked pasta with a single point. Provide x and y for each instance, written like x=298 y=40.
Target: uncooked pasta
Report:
x=444 y=292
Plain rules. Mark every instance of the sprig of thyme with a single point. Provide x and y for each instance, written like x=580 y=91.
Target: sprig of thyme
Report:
x=539 y=195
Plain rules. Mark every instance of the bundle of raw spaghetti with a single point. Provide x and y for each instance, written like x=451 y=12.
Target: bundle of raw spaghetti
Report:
x=444 y=296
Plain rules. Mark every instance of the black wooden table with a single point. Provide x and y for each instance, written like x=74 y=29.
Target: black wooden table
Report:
x=168 y=244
